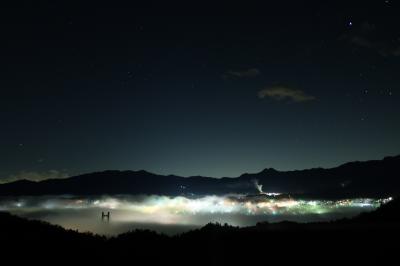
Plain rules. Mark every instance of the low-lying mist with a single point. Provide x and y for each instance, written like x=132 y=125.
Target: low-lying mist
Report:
x=173 y=215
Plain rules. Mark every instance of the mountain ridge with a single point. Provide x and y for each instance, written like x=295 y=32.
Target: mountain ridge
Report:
x=358 y=178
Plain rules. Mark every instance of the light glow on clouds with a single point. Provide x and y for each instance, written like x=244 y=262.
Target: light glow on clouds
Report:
x=173 y=215
x=203 y=205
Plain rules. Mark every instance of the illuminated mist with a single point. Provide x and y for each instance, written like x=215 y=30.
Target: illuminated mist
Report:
x=177 y=214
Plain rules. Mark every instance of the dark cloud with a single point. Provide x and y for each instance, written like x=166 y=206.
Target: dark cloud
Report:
x=366 y=36
x=248 y=73
x=381 y=47
x=285 y=93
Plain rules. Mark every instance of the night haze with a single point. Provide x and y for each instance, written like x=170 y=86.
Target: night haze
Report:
x=198 y=91
x=165 y=131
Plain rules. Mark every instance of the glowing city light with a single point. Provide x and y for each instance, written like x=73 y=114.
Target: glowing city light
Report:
x=239 y=204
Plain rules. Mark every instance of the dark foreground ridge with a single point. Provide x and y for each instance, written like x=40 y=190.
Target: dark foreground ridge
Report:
x=368 y=238
x=378 y=178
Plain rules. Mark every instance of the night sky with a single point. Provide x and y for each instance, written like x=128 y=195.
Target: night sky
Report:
x=214 y=90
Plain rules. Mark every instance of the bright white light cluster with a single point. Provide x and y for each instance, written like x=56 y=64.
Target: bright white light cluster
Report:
x=203 y=205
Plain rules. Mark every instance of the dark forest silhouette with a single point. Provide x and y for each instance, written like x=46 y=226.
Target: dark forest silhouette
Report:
x=363 y=239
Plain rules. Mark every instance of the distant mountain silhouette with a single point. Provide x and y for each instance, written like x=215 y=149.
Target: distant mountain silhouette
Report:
x=371 y=178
